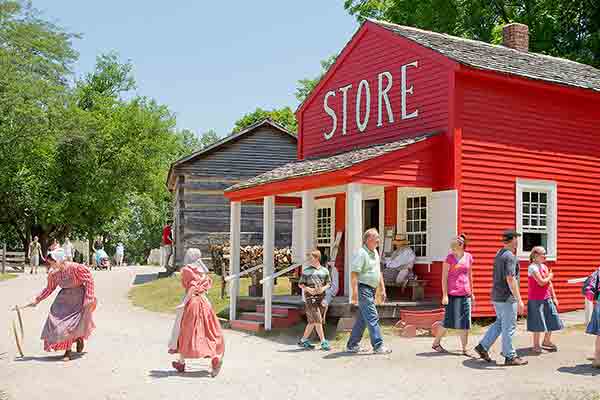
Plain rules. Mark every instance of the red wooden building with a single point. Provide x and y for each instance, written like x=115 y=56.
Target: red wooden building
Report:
x=435 y=135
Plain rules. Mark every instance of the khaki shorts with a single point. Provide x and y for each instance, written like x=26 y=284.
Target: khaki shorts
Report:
x=314 y=309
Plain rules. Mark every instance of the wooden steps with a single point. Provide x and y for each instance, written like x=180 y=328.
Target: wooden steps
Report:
x=283 y=317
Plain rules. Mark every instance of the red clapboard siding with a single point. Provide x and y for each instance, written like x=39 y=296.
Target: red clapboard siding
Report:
x=510 y=132
x=374 y=50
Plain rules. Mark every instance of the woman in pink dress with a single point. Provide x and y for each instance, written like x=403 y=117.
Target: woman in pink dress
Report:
x=70 y=319
x=196 y=331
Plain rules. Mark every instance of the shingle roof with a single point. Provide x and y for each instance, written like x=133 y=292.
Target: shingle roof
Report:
x=329 y=163
x=502 y=59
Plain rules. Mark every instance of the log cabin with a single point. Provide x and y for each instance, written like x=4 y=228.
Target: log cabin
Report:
x=197 y=181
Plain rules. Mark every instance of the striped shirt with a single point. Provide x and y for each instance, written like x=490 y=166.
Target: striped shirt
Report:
x=70 y=276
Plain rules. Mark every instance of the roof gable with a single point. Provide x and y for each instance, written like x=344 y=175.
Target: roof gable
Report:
x=225 y=142
x=501 y=59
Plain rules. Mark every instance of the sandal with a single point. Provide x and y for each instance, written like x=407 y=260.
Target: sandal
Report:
x=536 y=350
x=67 y=356
x=468 y=353
x=80 y=345
x=216 y=367
x=438 y=348
x=550 y=347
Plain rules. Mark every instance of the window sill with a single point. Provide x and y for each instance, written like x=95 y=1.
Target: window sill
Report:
x=525 y=257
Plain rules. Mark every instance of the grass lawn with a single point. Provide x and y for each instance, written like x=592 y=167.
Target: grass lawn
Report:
x=5 y=277
x=163 y=295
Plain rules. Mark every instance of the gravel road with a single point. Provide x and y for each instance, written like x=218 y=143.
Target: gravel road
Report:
x=127 y=358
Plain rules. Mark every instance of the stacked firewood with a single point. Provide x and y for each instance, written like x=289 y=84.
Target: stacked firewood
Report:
x=251 y=256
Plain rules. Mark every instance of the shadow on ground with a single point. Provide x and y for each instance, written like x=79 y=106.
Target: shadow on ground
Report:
x=580 y=369
x=156 y=373
x=140 y=279
x=54 y=358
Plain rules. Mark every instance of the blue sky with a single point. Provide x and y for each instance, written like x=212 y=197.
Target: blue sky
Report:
x=209 y=61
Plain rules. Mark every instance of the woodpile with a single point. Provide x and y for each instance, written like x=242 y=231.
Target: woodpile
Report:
x=251 y=256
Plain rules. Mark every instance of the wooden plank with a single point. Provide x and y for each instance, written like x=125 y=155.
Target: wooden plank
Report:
x=15 y=253
x=3 y=257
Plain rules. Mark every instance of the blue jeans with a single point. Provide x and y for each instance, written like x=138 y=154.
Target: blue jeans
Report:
x=505 y=325
x=366 y=317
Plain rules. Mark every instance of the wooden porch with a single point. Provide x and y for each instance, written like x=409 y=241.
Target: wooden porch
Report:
x=340 y=307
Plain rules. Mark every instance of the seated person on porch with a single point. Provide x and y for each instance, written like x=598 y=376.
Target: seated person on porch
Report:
x=314 y=282
x=398 y=268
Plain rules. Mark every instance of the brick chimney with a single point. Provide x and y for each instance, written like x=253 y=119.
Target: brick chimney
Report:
x=516 y=36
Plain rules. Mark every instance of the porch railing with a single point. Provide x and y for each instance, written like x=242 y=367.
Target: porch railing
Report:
x=243 y=273
x=279 y=273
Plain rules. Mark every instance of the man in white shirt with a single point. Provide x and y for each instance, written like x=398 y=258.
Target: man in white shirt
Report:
x=68 y=248
x=119 y=253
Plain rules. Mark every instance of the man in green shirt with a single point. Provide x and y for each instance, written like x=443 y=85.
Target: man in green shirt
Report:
x=366 y=278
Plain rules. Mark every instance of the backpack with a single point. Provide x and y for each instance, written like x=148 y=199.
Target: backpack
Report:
x=595 y=276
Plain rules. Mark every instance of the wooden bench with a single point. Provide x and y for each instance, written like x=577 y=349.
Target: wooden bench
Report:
x=15 y=260
x=417 y=286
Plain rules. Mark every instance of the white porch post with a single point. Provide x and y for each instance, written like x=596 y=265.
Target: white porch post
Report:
x=234 y=260
x=268 y=255
x=354 y=230
x=308 y=222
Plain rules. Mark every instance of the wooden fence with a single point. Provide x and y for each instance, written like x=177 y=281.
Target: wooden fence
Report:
x=15 y=260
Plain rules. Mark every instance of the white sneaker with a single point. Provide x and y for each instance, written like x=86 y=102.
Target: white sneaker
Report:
x=382 y=350
x=354 y=350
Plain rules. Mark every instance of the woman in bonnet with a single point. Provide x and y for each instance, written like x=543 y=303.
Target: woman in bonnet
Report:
x=196 y=331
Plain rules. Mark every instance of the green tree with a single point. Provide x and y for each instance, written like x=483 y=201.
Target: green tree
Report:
x=566 y=28
x=305 y=86
x=209 y=137
x=283 y=116
x=35 y=61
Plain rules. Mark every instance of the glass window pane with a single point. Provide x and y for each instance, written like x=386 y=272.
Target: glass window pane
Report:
x=543 y=210
x=534 y=222
x=534 y=209
x=526 y=196
x=526 y=221
x=423 y=226
x=424 y=213
x=423 y=201
x=526 y=209
x=409 y=202
x=407 y=226
x=544 y=198
x=534 y=197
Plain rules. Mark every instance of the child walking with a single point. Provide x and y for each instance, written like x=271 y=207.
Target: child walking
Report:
x=592 y=293
x=542 y=315
x=314 y=282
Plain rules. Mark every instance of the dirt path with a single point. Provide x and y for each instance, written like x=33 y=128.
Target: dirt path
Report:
x=127 y=359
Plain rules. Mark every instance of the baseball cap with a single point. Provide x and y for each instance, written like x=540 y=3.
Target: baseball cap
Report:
x=509 y=235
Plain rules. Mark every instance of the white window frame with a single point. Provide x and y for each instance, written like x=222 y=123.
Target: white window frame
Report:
x=324 y=203
x=403 y=194
x=550 y=188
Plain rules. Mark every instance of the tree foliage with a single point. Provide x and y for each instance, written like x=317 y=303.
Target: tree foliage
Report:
x=305 y=86
x=283 y=116
x=565 y=28
x=80 y=159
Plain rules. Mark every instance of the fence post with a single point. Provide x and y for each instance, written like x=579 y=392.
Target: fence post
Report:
x=4 y=258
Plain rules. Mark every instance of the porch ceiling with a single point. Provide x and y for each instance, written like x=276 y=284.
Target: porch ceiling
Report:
x=325 y=166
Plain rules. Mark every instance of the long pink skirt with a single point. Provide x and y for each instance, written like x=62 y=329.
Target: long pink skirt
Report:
x=68 y=320
x=200 y=335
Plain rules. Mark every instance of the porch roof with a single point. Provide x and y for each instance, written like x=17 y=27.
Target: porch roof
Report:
x=328 y=164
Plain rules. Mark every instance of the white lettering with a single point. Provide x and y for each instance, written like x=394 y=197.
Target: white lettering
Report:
x=331 y=113
x=383 y=95
x=344 y=91
x=406 y=91
x=363 y=85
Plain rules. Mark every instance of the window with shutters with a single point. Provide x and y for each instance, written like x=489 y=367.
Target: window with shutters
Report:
x=414 y=220
x=536 y=216
x=324 y=224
